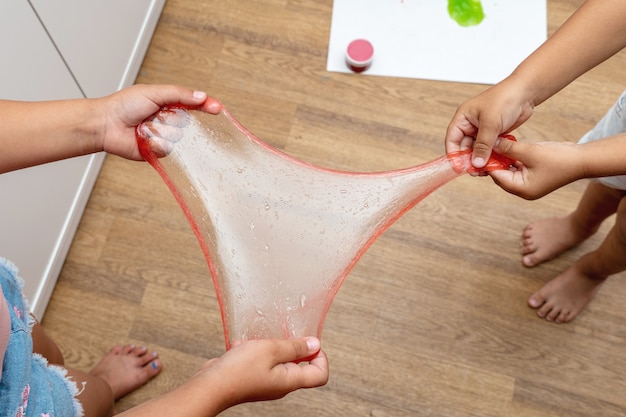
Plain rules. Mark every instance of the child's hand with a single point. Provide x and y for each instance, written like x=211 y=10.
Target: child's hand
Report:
x=540 y=169
x=266 y=369
x=124 y=110
x=479 y=121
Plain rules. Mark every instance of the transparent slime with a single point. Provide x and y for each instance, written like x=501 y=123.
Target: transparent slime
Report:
x=279 y=235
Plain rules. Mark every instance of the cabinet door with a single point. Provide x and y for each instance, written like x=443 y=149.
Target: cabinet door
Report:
x=41 y=205
x=103 y=42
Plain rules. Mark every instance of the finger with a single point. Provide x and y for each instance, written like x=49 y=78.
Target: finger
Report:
x=160 y=147
x=512 y=149
x=453 y=140
x=303 y=348
x=160 y=138
x=459 y=134
x=174 y=94
x=164 y=129
x=237 y=342
x=503 y=178
x=166 y=132
x=293 y=350
x=173 y=116
x=467 y=143
x=212 y=105
x=192 y=98
x=485 y=140
x=195 y=98
x=157 y=145
x=515 y=181
x=315 y=373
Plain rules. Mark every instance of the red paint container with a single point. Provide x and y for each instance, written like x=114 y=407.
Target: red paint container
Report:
x=359 y=55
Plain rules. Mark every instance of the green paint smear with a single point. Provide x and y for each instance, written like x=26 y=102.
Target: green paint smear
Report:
x=466 y=12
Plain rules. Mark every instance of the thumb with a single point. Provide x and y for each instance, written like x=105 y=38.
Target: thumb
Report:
x=510 y=148
x=313 y=374
x=304 y=348
x=485 y=140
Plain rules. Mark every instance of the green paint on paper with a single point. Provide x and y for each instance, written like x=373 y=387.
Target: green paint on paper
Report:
x=466 y=12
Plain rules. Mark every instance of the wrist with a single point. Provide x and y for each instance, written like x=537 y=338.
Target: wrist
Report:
x=93 y=126
x=521 y=86
x=602 y=157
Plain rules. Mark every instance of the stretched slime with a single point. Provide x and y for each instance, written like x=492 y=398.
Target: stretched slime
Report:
x=279 y=235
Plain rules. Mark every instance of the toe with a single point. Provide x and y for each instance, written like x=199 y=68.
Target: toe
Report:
x=535 y=300
x=116 y=350
x=553 y=314
x=155 y=367
x=148 y=357
x=138 y=350
x=127 y=349
x=542 y=313
x=148 y=371
x=545 y=311
x=562 y=317
x=527 y=246
x=529 y=260
x=567 y=317
x=527 y=234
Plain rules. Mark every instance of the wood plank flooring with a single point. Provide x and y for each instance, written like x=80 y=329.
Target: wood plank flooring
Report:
x=433 y=319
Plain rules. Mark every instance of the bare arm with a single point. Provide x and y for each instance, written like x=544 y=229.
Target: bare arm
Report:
x=595 y=32
x=256 y=370
x=34 y=133
x=543 y=167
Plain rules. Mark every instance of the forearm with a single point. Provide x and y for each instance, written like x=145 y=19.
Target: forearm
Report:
x=197 y=397
x=595 y=32
x=604 y=157
x=34 y=133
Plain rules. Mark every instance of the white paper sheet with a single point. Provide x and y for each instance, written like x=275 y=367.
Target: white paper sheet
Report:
x=419 y=39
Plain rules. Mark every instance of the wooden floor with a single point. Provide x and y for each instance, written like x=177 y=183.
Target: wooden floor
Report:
x=433 y=319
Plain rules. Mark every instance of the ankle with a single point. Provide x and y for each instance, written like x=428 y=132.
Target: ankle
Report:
x=581 y=226
x=591 y=267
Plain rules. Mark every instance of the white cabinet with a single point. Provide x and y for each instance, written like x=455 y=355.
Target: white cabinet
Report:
x=102 y=42
x=58 y=50
x=30 y=66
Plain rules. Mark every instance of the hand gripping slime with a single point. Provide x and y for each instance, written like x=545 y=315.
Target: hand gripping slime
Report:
x=279 y=235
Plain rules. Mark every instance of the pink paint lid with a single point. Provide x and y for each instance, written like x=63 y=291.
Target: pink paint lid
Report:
x=360 y=52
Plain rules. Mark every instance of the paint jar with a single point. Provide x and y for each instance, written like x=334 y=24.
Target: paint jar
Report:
x=359 y=55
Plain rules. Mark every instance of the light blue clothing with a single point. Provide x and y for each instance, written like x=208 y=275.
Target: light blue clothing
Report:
x=29 y=385
x=613 y=123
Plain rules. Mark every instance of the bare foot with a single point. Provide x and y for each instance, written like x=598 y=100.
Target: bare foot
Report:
x=126 y=368
x=561 y=299
x=547 y=238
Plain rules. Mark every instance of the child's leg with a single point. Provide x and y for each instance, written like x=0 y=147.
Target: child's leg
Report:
x=547 y=238
x=566 y=295
x=45 y=346
x=121 y=371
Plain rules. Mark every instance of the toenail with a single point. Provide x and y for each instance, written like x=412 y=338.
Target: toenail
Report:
x=154 y=365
